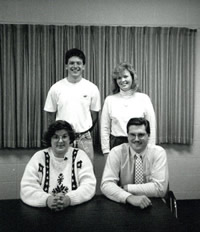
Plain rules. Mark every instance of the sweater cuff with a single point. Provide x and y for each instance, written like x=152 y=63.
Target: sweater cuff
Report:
x=45 y=199
x=76 y=199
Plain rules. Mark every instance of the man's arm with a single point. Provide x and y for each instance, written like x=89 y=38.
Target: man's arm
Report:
x=110 y=188
x=51 y=117
x=110 y=179
x=94 y=115
x=50 y=106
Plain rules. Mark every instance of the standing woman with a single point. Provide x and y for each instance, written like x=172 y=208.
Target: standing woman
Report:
x=60 y=175
x=125 y=103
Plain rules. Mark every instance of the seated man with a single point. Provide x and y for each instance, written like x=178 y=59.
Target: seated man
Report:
x=121 y=179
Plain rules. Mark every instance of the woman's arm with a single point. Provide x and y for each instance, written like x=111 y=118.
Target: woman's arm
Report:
x=105 y=128
x=31 y=191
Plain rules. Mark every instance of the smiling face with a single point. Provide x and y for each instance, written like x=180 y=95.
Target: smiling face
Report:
x=60 y=143
x=125 y=81
x=75 y=68
x=138 y=138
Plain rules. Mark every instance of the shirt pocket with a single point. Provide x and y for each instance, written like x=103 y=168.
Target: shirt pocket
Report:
x=85 y=100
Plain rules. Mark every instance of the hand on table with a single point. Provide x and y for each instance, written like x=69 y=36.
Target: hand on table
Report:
x=58 y=202
x=139 y=201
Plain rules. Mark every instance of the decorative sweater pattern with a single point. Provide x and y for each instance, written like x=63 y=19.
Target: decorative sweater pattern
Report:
x=47 y=175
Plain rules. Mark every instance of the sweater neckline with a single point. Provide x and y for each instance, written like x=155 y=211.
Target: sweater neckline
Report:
x=59 y=159
x=126 y=93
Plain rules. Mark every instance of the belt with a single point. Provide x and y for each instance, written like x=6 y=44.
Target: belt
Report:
x=81 y=133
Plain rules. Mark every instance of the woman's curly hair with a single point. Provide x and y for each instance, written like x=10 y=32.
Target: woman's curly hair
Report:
x=55 y=126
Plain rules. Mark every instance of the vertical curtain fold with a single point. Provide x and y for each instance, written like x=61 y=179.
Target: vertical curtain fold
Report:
x=32 y=59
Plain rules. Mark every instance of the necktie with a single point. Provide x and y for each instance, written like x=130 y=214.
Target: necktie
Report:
x=138 y=170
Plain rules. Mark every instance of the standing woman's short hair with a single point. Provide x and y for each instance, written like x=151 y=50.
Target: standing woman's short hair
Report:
x=117 y=72
x=55 y=126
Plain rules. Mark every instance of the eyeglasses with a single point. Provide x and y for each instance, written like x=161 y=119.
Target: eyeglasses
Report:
x=58 y=137
x=139 y=135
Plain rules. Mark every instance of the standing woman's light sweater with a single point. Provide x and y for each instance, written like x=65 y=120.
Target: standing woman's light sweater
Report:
x=117 y=111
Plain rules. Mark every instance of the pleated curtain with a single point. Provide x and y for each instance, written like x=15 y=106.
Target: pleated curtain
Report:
x=32 y=59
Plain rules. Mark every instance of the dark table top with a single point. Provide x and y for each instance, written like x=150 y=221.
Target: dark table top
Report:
x=98 y=215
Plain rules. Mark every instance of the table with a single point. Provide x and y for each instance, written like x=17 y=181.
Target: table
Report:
x=98 y=215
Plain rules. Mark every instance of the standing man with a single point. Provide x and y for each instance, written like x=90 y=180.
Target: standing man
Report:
x=136 y=170
x=75 y=100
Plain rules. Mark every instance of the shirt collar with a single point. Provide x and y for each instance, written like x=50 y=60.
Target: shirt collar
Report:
x=142 y=154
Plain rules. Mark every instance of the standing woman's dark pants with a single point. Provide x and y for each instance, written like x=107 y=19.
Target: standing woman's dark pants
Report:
x=115 y=141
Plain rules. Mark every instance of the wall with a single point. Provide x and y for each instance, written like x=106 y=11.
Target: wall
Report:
x=184 y=161
x=105 y=12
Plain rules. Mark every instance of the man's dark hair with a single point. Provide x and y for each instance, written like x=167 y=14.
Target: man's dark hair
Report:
x=139 y=122
x=55 y=126
x=74 y=52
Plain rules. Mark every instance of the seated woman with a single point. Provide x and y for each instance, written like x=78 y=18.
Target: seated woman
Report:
x=58 y=176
